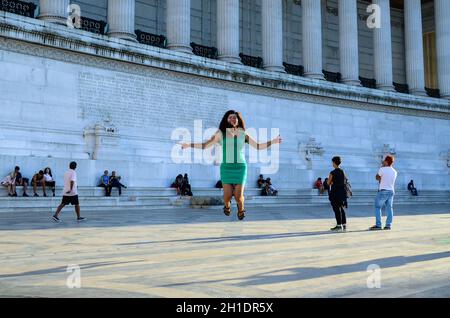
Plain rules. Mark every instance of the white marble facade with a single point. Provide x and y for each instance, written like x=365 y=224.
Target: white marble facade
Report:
x=110 y=103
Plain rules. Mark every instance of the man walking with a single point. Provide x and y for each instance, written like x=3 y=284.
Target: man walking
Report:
x=70 y=193
x=386 y=177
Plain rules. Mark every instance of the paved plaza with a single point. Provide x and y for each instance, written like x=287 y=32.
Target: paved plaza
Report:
x=275 y=252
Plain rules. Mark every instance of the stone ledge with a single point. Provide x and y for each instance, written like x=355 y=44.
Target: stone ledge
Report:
x=38 y=32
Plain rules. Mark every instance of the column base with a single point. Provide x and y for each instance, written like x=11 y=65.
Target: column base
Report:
x=123 y=35
x=53 y=19
x=230 y=59
x=318 y=76
x=386 y=88
x=418 y=92
x=180 y=48
x=275 y=68
x=351 y=82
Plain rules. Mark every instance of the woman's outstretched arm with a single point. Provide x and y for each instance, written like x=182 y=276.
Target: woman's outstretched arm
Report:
x=265 y=145
x=207 y=144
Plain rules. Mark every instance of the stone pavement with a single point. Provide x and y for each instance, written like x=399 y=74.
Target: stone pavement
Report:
x=275 y=252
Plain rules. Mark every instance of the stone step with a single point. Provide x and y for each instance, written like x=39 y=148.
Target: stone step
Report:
x=92 y=198
x=156 y=191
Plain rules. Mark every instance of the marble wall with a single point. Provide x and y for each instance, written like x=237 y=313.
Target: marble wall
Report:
x=110 y=104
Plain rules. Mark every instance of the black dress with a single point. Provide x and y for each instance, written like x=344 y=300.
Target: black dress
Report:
x=338 y=196
x=337 y=192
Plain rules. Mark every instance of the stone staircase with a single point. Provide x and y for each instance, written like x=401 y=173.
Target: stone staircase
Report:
x=93 y=199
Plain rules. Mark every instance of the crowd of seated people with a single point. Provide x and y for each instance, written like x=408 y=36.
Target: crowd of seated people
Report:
x=266 y=186
x=109 y=182
x=14 y=179
x=181 y=184
x=43 y=178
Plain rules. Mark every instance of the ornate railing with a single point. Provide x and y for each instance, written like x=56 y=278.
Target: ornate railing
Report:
x=401 y=88
x=91 y=25
x=151 y=39
x=368 y=82
x=433 y=92
x=18 y=7
x=252 y=61
x=332 y=76
x=292 y=69
x=205 y=51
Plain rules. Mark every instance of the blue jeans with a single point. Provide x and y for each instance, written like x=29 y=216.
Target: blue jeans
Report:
x=384 y=198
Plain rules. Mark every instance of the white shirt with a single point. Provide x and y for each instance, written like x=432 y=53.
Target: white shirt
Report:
x=48 y=177
x=69 y=176
x=388 y=176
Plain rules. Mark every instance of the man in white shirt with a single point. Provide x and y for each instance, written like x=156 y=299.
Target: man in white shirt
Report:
x=70 y=193
x=386 y=177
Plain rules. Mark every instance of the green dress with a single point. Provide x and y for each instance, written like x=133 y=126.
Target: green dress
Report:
x=233 y=169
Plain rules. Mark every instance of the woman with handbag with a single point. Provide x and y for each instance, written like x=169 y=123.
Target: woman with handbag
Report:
x=338 y=195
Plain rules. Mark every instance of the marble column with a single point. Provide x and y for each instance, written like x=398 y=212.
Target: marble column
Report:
x=348 y=42
x=312 y=38
x=415 y=67
x=382 y=43
x=121 y=15
x=272 y=35
x=228 y=30
x=179 y=25
x=442 y=13
x=54 y=11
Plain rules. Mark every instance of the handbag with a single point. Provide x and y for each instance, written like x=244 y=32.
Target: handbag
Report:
x=348 y=188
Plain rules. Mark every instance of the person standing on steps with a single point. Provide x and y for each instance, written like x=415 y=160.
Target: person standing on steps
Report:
x=233 y=170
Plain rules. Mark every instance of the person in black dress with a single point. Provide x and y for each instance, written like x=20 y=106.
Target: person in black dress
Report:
x=338 y=195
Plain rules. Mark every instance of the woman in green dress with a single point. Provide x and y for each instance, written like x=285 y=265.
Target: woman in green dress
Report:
x=233 y=170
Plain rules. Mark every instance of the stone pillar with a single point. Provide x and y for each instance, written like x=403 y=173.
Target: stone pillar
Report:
x=442 y=13
x=272 y=35
x=228 y=30
x=382 y=43
x=415 y=67
x=348 y=42
x=54 y=11
x=121 y=15
x=179 y=25
x=312 y=38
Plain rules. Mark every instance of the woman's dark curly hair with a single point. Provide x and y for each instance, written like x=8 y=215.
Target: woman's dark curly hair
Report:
x=224 y=123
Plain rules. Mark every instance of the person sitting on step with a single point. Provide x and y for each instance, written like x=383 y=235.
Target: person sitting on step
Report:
x=412 y=188
x=38 y=180
x=49 y=181
x=104 y=183
x=114 y=182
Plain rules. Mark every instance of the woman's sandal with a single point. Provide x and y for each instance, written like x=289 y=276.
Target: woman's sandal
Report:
x=241 y=215
x=227 y=211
